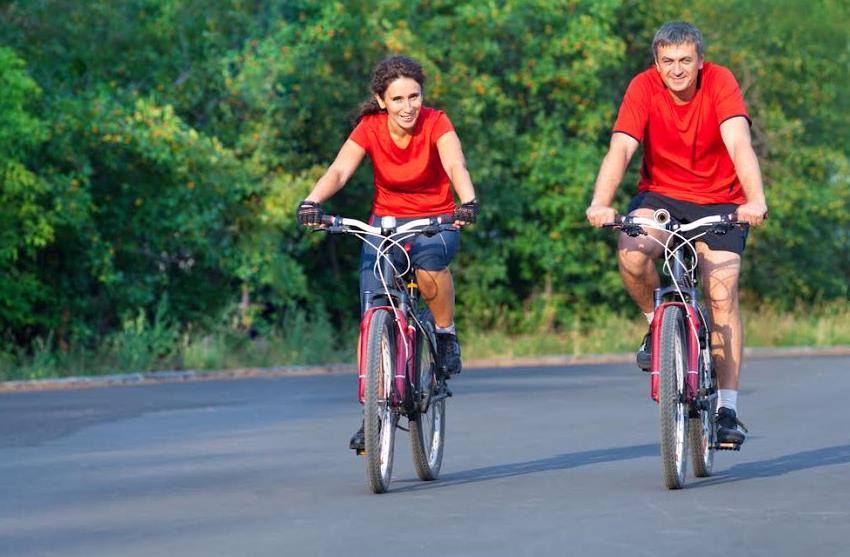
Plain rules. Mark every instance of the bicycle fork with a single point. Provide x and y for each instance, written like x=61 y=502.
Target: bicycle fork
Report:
x=693 y=348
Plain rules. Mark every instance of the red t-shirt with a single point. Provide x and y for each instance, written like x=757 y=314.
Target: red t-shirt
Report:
x=409 y=182
x=683 y=153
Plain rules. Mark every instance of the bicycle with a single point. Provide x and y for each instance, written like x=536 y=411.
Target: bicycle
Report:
x=398 y=374
x=683 y=380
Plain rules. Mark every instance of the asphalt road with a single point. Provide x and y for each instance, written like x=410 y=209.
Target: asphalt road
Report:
x=539 y=461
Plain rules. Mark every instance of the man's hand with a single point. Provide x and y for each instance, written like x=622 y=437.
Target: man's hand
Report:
x=598 y=215
x=467 y=213
x=309 y=213
x=753 y=213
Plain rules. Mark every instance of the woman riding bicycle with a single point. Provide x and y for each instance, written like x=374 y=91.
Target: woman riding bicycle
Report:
x=415 y=155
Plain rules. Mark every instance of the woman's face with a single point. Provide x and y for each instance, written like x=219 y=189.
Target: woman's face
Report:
x=402 y=100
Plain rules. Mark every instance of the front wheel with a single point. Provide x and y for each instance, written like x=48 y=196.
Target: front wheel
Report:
x=380 y=419
x=701 y=431
x=672 y=407
x=428 y=422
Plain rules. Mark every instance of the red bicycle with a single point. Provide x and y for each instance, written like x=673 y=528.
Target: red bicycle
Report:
x=398 y=373
x=682 y=376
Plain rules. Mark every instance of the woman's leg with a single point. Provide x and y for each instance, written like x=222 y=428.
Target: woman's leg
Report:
x=438 y=291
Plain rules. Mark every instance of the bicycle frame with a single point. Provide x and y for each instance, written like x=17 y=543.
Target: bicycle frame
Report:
x=683 y=289
x=400 y=296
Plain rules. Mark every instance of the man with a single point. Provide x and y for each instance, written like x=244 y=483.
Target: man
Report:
x=697 y=161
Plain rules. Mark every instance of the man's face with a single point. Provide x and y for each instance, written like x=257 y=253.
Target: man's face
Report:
x=679 y=65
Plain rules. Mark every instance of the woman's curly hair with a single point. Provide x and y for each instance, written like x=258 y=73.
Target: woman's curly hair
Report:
x=387 y=71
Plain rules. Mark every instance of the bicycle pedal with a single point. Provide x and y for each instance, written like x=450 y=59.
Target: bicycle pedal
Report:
x=360 y=452
x=727 y=446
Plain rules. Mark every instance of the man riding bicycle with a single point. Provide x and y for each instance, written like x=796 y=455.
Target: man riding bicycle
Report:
x=698 y=160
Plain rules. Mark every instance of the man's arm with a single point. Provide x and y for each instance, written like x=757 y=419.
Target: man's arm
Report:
x=736 y=136
x=611 y=173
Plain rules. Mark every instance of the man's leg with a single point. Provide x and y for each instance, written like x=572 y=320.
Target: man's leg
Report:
x=637 y=269
x=720 y=271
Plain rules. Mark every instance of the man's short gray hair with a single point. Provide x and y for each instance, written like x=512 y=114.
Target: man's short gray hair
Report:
x=676 y=33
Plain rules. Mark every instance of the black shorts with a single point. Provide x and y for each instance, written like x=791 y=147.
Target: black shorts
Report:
x=735 y=240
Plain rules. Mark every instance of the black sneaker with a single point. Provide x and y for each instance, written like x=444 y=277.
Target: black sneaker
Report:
x=730 y=430
x=644 y=353
x=448 y=354
x=358 y=440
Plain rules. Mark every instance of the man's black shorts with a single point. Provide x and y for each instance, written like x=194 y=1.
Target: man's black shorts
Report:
x=735 y=240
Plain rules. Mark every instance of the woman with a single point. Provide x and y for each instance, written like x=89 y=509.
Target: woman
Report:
x=416 y=155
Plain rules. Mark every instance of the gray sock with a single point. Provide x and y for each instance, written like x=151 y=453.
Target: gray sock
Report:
x=727 y=398
x=450 y=329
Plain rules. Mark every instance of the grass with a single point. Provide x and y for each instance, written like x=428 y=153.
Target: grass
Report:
x=143 y=346
x=827 y=325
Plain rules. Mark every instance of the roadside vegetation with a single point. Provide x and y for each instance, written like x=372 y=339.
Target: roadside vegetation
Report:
x=152 y=153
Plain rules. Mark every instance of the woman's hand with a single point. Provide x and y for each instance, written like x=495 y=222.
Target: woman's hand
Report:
x=309 y=213
x=467 y=213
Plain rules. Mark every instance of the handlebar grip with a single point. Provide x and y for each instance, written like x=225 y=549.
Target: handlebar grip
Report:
x=328 y=219
x=619 y=220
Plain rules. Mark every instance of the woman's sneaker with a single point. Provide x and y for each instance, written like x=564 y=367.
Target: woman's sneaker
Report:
x=448 y=354
x=358 y=441
x=730 y=430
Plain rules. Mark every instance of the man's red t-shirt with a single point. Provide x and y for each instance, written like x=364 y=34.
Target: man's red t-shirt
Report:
x=409 y=182
x=683 y=153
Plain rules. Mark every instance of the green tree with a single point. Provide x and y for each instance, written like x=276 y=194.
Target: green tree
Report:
x=25 y=210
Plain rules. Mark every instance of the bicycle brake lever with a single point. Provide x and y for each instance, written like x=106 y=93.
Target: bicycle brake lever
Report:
x=431 y=230
x=633 y=230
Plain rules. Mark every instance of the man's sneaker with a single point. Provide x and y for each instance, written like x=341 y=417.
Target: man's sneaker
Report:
x=644 y=353
x=448 y=354
x=730 y=430
x=358 y=441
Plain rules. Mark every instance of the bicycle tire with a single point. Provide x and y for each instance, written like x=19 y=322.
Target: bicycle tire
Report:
x=427 y=429
x=380 y=418
x=701 y=431
x=672 y=408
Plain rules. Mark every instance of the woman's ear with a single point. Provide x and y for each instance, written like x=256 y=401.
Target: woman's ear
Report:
x=380 y=102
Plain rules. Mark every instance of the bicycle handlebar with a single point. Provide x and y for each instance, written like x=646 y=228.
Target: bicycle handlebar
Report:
x=426 y=225
x=661 y=220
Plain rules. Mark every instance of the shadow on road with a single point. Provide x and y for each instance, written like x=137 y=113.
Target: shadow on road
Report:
x=828 y=456
x=559 y=462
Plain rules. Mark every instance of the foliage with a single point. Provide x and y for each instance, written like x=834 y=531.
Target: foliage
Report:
x=152 y=153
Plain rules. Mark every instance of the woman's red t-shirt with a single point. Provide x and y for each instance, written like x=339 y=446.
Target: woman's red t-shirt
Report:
x=409 y=182
x=684 y=156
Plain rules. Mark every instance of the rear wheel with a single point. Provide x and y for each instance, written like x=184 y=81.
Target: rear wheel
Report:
x=428 y=428
x=701 y=431
x=673 y=411
x=380 y=418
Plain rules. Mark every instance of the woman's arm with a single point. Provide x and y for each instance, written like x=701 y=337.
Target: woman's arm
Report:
x=451 y=155
x=338 y=173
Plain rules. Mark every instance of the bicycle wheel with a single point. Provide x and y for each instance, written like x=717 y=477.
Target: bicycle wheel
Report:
x=673 y=411
x=701 y=431
x=428 y=428
x=380 y=419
